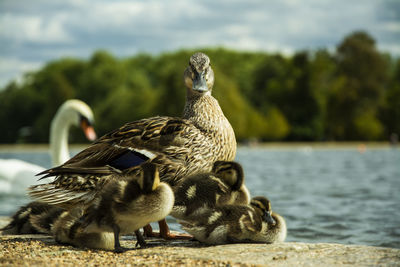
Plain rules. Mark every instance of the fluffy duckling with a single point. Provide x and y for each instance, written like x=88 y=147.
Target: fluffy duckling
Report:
x=237 y=224
x=199 y=193
x=122 y=206
x=33 y=218
x=180 y=146
x=42 y=218
x=68 y=229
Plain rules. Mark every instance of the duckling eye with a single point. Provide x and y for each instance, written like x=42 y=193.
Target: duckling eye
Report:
x=256 y=205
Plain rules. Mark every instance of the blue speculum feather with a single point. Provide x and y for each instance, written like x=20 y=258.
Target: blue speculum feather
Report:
x=129 y=159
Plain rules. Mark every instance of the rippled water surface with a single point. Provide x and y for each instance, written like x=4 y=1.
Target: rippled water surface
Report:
x=325 y=195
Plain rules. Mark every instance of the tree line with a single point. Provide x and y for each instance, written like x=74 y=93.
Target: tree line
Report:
x=352 y=93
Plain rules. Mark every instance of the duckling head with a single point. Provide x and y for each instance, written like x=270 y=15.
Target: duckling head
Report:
x=199 y=76
x=263 y=206
x=149 y=178
x=231 y=172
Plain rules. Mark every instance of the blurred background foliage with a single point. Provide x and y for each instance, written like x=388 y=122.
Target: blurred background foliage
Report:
x=352 y=93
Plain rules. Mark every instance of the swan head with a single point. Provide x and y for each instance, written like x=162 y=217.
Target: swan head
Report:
x=72 y=112
x=199 y=76
x=78 y=113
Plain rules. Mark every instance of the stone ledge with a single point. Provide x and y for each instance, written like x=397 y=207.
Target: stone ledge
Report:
x=35 y=250
x=42 y=250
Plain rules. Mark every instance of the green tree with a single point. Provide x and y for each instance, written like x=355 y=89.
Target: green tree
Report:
x=355 y=97
x=350 y=95
x=169 y=82
x=390 y=110
x=300 y=104
x=102 y=75
x=322 y=71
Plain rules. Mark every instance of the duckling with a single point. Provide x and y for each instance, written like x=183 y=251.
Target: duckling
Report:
x=42 y=218
x=199 y=193
x=237 y=224
x=68 y=229
x=179 y=146
x=33 y=218
x=123 y=206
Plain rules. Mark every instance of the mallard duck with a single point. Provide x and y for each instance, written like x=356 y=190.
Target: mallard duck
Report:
x=237 y=224
x=199 y=193
x=179 y=146
x=16 y=175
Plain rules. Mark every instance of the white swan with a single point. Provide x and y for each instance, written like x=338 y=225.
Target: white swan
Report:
x=16 y=175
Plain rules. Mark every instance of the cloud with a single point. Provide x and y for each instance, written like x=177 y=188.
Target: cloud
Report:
x=45 y=29
x=21 y=28
x=11 y=68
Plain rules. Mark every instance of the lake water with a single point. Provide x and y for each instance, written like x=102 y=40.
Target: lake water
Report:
x=326 y=194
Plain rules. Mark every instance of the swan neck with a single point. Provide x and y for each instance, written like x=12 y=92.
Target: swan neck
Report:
x=59 y=151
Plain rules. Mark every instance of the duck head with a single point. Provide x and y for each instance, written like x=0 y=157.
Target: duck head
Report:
x=263 y=206
x=199 y=76
x=149 y=178
x=231 y=172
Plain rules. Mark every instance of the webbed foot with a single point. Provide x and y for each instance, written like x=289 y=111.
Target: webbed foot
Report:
x=120 y=249
x=140 y=240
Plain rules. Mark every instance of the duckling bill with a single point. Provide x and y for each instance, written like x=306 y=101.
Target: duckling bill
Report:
x=238 y=223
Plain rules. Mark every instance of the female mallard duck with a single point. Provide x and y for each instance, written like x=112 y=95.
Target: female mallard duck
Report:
x=199 y=193
x=237 y=223
x=179 y=146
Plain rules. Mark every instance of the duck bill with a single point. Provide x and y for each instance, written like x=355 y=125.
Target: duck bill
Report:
x=200 y=83
x=88 y=130
x=268 y=218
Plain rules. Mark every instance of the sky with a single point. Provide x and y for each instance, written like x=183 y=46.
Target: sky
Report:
x=35 y=32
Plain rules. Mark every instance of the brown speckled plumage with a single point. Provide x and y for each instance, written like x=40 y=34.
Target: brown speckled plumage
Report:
x=179 y=146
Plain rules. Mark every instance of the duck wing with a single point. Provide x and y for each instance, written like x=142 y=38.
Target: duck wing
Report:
x=131 y=145
x=71 y=188
x=163 y=140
